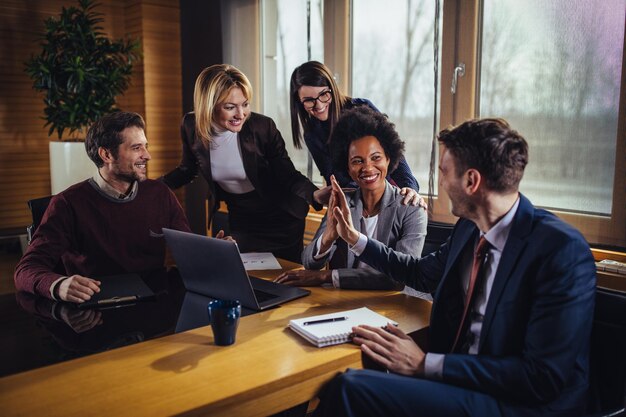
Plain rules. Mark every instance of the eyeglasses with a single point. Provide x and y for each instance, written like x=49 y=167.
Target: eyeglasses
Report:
x=323 y=97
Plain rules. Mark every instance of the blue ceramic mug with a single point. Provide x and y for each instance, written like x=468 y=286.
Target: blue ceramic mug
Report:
x=224 y=317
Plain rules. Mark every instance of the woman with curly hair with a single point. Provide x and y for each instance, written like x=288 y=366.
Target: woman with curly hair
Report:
x=365 y=144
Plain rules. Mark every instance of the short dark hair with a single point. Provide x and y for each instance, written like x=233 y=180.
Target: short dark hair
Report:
x=490 y=146
x=358 y=122
x=106 y=133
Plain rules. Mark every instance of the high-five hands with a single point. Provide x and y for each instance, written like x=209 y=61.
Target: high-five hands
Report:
x=330 y=233
x=341 y=213
x=391 y=348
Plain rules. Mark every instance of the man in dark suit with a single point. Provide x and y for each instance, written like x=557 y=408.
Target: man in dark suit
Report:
x=521 y=347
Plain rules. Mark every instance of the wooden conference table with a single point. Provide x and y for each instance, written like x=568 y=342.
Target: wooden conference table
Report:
x=267 y=370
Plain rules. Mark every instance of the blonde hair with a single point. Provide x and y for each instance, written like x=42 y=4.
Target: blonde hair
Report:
x=213 y=86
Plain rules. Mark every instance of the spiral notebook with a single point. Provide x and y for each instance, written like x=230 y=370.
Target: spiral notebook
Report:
x=336 y=328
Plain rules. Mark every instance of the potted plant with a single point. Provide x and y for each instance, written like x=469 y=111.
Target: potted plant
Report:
x=81 y=72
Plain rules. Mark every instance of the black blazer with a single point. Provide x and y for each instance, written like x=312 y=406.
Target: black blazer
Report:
x=265 y=160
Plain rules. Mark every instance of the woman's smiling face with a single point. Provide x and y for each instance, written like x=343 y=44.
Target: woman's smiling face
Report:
x=232 y=112
x=367 y=163
x=316 y=101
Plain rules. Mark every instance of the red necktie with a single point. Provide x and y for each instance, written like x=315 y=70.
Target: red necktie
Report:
x=479 y=258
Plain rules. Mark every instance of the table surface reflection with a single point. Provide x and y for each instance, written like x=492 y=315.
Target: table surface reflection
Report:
x=50 y=367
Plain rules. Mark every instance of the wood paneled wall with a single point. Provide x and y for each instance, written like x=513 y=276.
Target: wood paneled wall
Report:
x=155 y=93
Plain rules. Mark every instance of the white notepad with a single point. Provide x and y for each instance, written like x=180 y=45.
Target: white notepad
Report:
x=336 y=327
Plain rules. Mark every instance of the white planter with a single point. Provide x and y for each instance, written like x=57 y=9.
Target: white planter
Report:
x=69 y=164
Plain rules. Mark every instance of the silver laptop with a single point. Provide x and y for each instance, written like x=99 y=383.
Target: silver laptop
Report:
x=213 y=267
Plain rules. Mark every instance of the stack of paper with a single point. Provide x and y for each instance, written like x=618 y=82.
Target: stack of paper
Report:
x=335 y=328
x=256 y=261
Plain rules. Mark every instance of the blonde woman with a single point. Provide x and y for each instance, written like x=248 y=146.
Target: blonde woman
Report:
x=242 y=156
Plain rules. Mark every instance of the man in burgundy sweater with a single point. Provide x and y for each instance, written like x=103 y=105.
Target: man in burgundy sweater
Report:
x=108 y=224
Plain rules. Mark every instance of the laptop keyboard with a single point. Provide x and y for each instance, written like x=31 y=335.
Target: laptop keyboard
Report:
x=262 y=296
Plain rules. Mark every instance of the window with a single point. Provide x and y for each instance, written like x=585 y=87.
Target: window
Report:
x=553 y=70
x=284 y=47
x=392 y=66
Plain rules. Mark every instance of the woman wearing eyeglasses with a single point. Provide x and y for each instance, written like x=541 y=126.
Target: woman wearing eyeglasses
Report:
x=316 y=103
x=242 y=156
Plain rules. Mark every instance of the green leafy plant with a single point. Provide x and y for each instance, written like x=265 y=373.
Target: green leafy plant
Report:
x=80 y=70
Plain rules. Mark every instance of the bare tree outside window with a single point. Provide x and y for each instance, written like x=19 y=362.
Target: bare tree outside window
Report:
x=392 y=65
x=553 y=70
x=285 y=47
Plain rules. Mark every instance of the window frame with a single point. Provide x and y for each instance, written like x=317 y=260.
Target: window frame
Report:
x=459 y=43
x=597 y=229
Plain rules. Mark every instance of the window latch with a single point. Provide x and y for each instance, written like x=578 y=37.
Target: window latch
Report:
x=459 y=71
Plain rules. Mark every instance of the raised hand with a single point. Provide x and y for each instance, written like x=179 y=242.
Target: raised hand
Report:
x=341 y=213
x=330 y=233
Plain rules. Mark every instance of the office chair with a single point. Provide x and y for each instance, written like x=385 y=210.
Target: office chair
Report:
x=607 y=385
x=37 y=208
x=436 y=234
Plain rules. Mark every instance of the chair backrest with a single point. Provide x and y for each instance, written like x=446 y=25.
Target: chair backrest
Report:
x=607 y=394
x=436 y=234
x=37 y=208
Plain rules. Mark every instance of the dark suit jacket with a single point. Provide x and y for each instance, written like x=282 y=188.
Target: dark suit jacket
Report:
x=401 y=227
x=534 y=344
x=265 y=161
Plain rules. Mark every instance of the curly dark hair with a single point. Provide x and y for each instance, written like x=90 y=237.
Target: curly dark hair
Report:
x=490 y=146
x=357 y=123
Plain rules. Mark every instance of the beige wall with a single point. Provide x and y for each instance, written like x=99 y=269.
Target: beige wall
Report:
x=155 y=93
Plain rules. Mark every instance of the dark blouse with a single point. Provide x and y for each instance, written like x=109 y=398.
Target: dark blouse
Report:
x=316 y=140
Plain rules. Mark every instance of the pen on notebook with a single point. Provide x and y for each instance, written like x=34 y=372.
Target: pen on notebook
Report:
x=329 y=320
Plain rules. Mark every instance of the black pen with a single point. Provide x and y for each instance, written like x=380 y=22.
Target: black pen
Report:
x=330 y=320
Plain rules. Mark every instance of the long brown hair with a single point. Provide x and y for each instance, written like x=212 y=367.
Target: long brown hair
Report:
x=314 y=74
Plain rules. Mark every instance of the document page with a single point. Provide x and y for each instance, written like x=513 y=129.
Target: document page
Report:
x=256 y=261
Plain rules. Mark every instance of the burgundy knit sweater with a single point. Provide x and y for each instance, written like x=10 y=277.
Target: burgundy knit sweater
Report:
x=93 y=234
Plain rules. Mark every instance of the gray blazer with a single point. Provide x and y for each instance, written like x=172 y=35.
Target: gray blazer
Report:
x=402 y=228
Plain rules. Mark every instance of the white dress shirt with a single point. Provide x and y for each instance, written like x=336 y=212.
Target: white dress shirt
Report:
x=497 y=237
